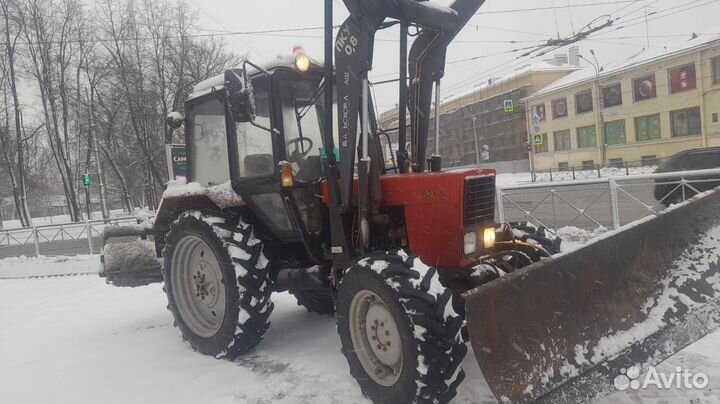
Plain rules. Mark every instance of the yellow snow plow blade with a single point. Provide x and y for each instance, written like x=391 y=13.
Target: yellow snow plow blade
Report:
x=562 y=330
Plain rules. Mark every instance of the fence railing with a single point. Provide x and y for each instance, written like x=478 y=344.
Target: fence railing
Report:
x=52 y=234
x=589 y=204
x=601 y=202
x=613 y=169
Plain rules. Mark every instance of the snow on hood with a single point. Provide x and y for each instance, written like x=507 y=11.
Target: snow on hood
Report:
x=222 y=195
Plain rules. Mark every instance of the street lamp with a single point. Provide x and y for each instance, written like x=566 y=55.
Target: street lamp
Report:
x=600 y=124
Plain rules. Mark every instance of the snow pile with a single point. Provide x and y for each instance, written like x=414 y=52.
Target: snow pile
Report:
x=222 y=195
x=575 y=237
x=508 y=180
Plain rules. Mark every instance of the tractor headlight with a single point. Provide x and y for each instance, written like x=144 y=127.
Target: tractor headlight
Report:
x=489 y=238
x=469 y=243
x=302 y=62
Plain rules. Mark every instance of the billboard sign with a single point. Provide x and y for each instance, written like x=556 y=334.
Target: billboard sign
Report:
x=177 y=162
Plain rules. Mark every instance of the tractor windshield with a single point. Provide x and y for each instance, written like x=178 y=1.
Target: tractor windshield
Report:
x=302 y=111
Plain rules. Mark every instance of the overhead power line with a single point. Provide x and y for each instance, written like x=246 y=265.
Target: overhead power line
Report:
x=545 y=49
x=525 y=10
x=215 y=33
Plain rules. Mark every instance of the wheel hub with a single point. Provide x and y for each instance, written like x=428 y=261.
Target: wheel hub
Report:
x=206 y=284
x=376 y=338
x=383 y=334
x=197 y=286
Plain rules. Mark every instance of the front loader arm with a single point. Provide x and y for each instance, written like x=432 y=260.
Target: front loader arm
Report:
x=353 y=60
x=427 y=65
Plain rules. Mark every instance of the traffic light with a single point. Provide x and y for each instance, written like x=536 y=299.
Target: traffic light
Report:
x=86 y=180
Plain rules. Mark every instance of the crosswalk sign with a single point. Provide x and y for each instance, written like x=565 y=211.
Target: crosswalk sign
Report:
x=509 y=106
x=538 y=139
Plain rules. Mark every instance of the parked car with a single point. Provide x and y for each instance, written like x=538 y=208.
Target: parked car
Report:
x=694 y=159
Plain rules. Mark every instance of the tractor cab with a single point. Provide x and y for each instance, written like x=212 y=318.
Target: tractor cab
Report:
x=260 y=127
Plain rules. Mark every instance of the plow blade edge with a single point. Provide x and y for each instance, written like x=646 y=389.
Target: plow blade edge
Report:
x=562 y=330
x=128 y=258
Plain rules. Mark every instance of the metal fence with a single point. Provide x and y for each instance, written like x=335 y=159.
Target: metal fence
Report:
x=613 y=169
x=587 y=204
x=58 y=239
x=602 y=202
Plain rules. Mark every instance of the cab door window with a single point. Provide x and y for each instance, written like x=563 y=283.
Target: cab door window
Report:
x=255 y=149
x=208 y=145
x=301 y=115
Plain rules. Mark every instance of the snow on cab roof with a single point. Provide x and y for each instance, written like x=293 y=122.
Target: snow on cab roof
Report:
x=644 y=57
x=217 y=83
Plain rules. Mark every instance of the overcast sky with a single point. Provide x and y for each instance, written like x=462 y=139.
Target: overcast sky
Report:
x=483 y=37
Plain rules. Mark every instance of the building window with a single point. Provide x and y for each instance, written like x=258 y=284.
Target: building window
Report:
x=588 y=164
x=586 y=137
x=562 y=140
x=649 y=160
x=616 y=163
x=564 y=166
x=716 y=69
x=612 y=95
x=559 y=108
x=615 y=132
x=583 y=102
x=715 y=117
x=647 y=127
x=686 y=122
x=542 y=148
x=682 y=78
x=538 y=113
x=644 y=87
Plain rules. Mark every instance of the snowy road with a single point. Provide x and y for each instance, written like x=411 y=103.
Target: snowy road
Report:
x=76 y=340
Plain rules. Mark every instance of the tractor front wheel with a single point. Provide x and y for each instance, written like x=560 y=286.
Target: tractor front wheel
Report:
x=399 y=332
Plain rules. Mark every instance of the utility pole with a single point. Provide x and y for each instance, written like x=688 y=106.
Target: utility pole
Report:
x=477 y=147
x=647 y=29
x=531 y=144
x=599 y=120
x=86 y=183
x=101 y=181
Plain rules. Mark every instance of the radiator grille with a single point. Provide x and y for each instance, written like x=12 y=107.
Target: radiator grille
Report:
x=479 y=200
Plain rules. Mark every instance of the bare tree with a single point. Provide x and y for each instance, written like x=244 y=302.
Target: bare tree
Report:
x=48 y=30
x=18 y=176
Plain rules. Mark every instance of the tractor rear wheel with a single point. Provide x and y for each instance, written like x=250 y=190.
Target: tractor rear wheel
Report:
x=216 y=283
x=399 y=332
x=318 y=301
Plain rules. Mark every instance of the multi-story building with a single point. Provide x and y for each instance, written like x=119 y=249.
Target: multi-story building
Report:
x=479 y=116
x=636 y=112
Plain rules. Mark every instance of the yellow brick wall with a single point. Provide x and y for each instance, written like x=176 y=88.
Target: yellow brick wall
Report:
x=706 y=96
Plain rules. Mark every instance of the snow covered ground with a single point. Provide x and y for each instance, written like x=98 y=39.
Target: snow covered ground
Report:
x=76 y=340
x=62 y=219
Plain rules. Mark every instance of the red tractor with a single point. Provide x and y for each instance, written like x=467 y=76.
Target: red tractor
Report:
x=273 y=204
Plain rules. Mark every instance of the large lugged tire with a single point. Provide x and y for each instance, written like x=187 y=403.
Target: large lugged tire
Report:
x=399 y=332
x=216 y=281
x=525 y=231
x=318 y=301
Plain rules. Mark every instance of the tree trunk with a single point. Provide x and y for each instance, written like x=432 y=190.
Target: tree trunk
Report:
x=20 y=189
x=127 y=202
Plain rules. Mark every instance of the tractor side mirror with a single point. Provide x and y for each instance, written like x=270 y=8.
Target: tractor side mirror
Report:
x=240 y=96
x=174 y=120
